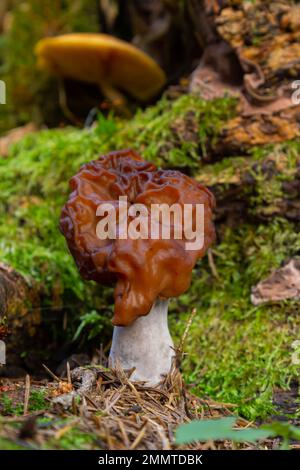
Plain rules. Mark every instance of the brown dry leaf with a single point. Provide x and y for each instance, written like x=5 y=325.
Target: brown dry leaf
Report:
x=282 y=284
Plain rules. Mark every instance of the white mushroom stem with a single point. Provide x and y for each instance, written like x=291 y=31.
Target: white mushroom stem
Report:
x=146 y=345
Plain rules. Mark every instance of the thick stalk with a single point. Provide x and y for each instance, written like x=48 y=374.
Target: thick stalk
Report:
x=146 y=345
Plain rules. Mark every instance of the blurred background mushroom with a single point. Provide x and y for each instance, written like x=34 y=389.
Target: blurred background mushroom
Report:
x=147 y=270
x=114 y=65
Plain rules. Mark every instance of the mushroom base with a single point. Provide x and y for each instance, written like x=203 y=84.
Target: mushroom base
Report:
x=146 y=345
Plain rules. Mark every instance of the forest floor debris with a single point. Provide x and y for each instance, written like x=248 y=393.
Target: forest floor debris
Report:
x=115 y=414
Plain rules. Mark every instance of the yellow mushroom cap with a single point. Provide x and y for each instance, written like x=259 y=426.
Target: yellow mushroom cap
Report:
x=101 y=59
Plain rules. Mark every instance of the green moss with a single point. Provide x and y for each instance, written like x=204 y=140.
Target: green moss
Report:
x=269 y=185
x=260 y=177
x=176 y=133
x=237 y=352
x=8 y=407
x=7 y=444
x=34 y=187
x=73 y=439
x=285 y=157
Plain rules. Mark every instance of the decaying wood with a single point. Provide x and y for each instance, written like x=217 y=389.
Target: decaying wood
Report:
x=266 y=35
x=244 y=132
x=255 y=58
x=238 y=191
x=19 y=301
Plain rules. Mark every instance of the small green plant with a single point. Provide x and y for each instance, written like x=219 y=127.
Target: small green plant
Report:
x=218 y=430
x=223 y=429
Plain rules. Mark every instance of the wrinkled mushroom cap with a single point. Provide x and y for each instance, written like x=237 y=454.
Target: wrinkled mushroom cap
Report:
x=101 y=59
x=143 y=269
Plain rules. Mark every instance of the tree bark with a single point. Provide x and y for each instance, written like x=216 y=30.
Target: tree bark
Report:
x=19 y=314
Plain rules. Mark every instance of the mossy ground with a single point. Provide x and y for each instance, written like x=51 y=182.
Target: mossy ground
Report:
x=236 y=352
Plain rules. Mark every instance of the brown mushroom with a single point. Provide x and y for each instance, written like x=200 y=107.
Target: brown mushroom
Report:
x=104 y=60
x=147 y=271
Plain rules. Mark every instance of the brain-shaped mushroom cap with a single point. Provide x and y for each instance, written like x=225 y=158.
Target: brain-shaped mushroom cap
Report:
x=143 y=269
